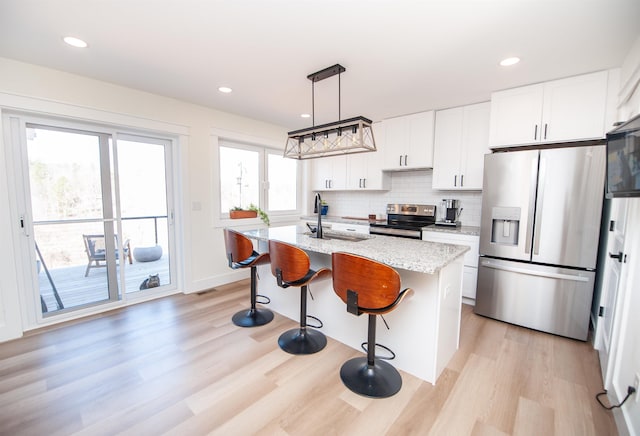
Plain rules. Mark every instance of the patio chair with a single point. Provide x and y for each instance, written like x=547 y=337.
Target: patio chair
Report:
x=95 y=249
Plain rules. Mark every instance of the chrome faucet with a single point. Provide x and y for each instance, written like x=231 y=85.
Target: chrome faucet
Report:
x=318 y=209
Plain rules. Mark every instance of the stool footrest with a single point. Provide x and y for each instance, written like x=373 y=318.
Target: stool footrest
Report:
x=389 y=350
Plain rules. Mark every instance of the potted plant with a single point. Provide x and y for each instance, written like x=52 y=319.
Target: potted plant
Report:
x=324 y=207
x=251 y=212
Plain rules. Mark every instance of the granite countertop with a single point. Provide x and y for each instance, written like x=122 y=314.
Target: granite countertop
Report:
x=410 y=254
x=462 y=230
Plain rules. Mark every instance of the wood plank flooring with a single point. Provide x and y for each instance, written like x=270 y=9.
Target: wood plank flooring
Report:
x=178 y=366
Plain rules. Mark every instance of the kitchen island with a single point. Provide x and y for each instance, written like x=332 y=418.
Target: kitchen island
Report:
x=423 y=330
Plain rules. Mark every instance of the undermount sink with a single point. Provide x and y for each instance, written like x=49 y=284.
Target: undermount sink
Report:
x=340 y=236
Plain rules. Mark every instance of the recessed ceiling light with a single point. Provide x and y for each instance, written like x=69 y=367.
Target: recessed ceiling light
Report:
x=305 y=115
x=509 y=61
x=75 y=42
x=225 y=89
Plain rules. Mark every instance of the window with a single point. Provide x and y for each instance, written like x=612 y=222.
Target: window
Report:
x=259 y=176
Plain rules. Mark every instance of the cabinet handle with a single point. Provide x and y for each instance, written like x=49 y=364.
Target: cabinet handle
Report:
x=535 y=133
x=545 y=130
x=364 y=183
x=616 y=256
x=400 y=160
x=405 y=160
x=455 y=180
x=461 y=180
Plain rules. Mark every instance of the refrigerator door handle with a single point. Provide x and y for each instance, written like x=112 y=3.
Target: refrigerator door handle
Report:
x=488 y=264
x=532 y=205
x=538 y=223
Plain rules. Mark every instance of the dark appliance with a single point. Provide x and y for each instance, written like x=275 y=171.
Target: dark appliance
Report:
x=452 y=211
x=539 y=237
x=623 y=160
x=405 y=220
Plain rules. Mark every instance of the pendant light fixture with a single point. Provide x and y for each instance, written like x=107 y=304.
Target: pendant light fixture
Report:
x=353 y=135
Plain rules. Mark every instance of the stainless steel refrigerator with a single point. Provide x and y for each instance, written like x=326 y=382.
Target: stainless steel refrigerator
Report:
x=539 y=236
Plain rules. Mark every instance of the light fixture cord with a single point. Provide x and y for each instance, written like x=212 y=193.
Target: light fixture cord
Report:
x=339 y=88
x=313 y=103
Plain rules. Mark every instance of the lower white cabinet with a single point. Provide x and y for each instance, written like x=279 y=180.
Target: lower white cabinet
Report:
x=470 y=269
x=347 y=227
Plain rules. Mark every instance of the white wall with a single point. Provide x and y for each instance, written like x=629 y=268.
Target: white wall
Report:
x=406 y=187
x=626 y=362
x=76 y=96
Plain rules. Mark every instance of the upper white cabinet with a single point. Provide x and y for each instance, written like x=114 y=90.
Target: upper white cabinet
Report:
x=461 y=141
x=409 y=141
x=359 y=171
x=329 y=173
x=364 y=170
x=569 y=109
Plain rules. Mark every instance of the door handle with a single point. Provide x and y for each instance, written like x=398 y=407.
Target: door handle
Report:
x=618 y=256
x=531 y=272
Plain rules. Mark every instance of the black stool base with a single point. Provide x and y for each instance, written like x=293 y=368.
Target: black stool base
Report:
x=252 y=317
x=298 y=341
x=379 y=381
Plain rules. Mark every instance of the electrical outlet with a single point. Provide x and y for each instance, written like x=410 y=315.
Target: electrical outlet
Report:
x=636 y=384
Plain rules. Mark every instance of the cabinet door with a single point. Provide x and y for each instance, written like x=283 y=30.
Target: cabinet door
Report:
x=475 y=140
x=574 y=108
x=395 y=134
x=329 y=173
x=448 y=148
x=516 y=115
x=420 y=144
x=409 y=141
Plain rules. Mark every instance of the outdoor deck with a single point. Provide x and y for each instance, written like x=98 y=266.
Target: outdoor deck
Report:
x=74 y=289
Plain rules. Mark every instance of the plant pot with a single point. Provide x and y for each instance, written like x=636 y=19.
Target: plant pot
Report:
x=239 y=214
x=324 y=209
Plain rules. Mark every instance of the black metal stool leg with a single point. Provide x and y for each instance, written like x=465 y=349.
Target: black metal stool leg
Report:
x=302 y=340
x=253 y=317
x=368 y=376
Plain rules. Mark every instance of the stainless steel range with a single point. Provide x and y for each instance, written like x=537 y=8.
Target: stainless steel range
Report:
x=405 y=220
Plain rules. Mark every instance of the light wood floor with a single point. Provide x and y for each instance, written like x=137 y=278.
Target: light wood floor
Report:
x=179 y=366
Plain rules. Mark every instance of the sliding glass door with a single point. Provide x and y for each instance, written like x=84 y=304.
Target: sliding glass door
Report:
x=98 y=211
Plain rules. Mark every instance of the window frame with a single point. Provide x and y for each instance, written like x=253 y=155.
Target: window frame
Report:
x=263 y=151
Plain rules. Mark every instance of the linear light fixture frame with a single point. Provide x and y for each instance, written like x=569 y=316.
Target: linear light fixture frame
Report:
x=353 y=135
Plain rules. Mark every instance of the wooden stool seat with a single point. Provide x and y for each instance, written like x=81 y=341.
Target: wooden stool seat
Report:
x=240 y=254
x=368 y=286
x=291 y=267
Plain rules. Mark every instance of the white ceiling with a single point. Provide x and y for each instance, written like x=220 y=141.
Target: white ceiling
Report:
x=401 y=56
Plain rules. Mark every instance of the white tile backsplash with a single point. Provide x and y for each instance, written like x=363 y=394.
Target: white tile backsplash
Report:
x=406 y=187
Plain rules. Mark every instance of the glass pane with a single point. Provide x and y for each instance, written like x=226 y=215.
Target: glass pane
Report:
x=66 y=202
x=283 y=183
x=143 y=205
x=239 y=178
x=64 y=175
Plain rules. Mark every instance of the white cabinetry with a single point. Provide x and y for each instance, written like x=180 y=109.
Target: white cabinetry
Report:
x=461 y=141
x=561 y=110
x=364 y=170
x=329 y=173
x=348 y=227
x=409 y=141
x=470 y=269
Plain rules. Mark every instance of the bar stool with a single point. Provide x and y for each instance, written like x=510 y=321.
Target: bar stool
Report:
x=291 y=267
x=241 y=254
x=368 y=286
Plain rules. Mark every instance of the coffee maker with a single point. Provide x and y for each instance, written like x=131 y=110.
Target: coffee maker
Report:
x=452 y=211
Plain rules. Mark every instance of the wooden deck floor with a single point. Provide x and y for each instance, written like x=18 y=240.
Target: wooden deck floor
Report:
x=76 y=290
